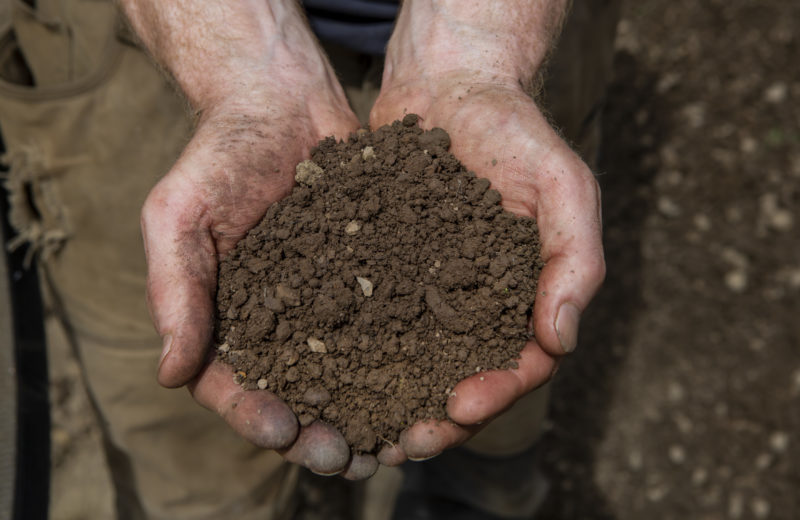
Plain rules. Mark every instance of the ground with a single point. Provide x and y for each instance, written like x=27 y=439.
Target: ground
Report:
x=681 y=399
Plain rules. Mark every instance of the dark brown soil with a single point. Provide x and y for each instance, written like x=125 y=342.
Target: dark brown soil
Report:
x=387 y=276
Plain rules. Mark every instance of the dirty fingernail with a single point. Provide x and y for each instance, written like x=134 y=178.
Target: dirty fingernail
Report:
x=167 y=345
x=567 y=321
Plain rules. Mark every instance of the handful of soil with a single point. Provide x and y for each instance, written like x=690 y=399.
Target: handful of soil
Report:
x=388 y=275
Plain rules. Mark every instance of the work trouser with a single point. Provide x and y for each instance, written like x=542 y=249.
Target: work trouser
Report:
x=89 y=126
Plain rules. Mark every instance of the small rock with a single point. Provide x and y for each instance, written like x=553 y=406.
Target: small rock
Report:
x=736 y=280
x=675 y=392
x=368 y=153
x=734 y=257
x=776 y=93
x=352 y=227
x=702 y=222
x=316 y=345
x=366 y=286
x=668 y=208
x=657 y=493
x=782 y=220
x=307 y=172
x=677 y=454
x=779 y=441
x=224 y=347
x=748 y=145
x=699 y=476
x=760 y=507
x=694 y=114
x=262 y=384
x=763 y=461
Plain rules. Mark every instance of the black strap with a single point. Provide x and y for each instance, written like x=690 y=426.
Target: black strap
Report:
x=31 y=470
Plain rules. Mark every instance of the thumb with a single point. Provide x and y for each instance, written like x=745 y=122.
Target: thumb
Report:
x=570 y=227
x=181 y=279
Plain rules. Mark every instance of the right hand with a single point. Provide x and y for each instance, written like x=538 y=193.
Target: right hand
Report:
x=240 y=160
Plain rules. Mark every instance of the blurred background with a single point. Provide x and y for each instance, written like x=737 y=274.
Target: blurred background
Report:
x=683 y=399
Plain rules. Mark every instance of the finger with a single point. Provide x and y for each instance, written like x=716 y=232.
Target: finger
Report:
x=570 y=229
x=360 y=467
x=487 y=394
x=258 y=416
x=392 y=455
x=181 y=280
x=320 y=448
x=428 y=439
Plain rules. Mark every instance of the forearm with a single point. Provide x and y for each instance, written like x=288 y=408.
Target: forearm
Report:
x=506 y=39
x=233 y=52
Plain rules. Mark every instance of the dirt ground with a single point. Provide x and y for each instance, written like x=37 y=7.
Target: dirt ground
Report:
x=682 y=399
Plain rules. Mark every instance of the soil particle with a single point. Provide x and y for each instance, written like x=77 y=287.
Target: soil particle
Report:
x=387 y=276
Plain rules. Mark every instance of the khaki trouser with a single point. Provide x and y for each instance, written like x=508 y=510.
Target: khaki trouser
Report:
x=90 y=126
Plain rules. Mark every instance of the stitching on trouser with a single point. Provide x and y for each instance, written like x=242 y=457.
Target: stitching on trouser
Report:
x=33 y=208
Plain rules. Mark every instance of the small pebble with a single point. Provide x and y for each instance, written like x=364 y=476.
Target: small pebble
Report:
x=262 y=384
x=760 y=508
x=779 y=441
x=763 y=461
x=366 y=286
x=657 y=493
x=677 y=454
x=776 y=93
x=307 y=172
x=736 y=280
x=702 y=222
x=699 y=476
x=668 y=208
x=352 y=228
x=224 y=347
x=368 y=153
x=316 y=345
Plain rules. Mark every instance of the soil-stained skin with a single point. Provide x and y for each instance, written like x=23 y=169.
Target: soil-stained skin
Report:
x=389 y=274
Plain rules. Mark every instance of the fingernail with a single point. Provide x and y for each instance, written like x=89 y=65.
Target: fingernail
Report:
x=167 y=345
x=423 y=459
x=567 y=321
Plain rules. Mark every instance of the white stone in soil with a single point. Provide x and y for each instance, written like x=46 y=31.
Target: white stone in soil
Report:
x=760 y=507
x=352 y=227
x=779 y=441
x=316 y=345
x=736 y=280
x=366 y=286
x=677 y=454
x=368 y=153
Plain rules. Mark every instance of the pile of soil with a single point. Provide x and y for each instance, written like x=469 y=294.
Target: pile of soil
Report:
x=388 y=275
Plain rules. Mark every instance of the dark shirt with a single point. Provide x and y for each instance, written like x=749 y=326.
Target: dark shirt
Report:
x=360 y=25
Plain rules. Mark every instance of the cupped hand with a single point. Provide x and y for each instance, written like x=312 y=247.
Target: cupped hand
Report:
x=239 y=161
x=498 y=131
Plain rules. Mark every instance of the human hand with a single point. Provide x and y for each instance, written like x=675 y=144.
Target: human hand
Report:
x=498 y=131
x=265 y=95
x=236 y=165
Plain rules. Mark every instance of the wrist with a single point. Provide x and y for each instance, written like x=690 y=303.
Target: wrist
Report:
x=493 y=42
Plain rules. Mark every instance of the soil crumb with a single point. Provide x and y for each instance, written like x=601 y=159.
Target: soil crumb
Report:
x=388 y=275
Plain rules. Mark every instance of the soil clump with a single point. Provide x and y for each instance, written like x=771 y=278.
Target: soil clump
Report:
x=388 y=275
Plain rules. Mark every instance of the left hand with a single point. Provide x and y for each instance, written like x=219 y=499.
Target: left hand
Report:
x=499 y=132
